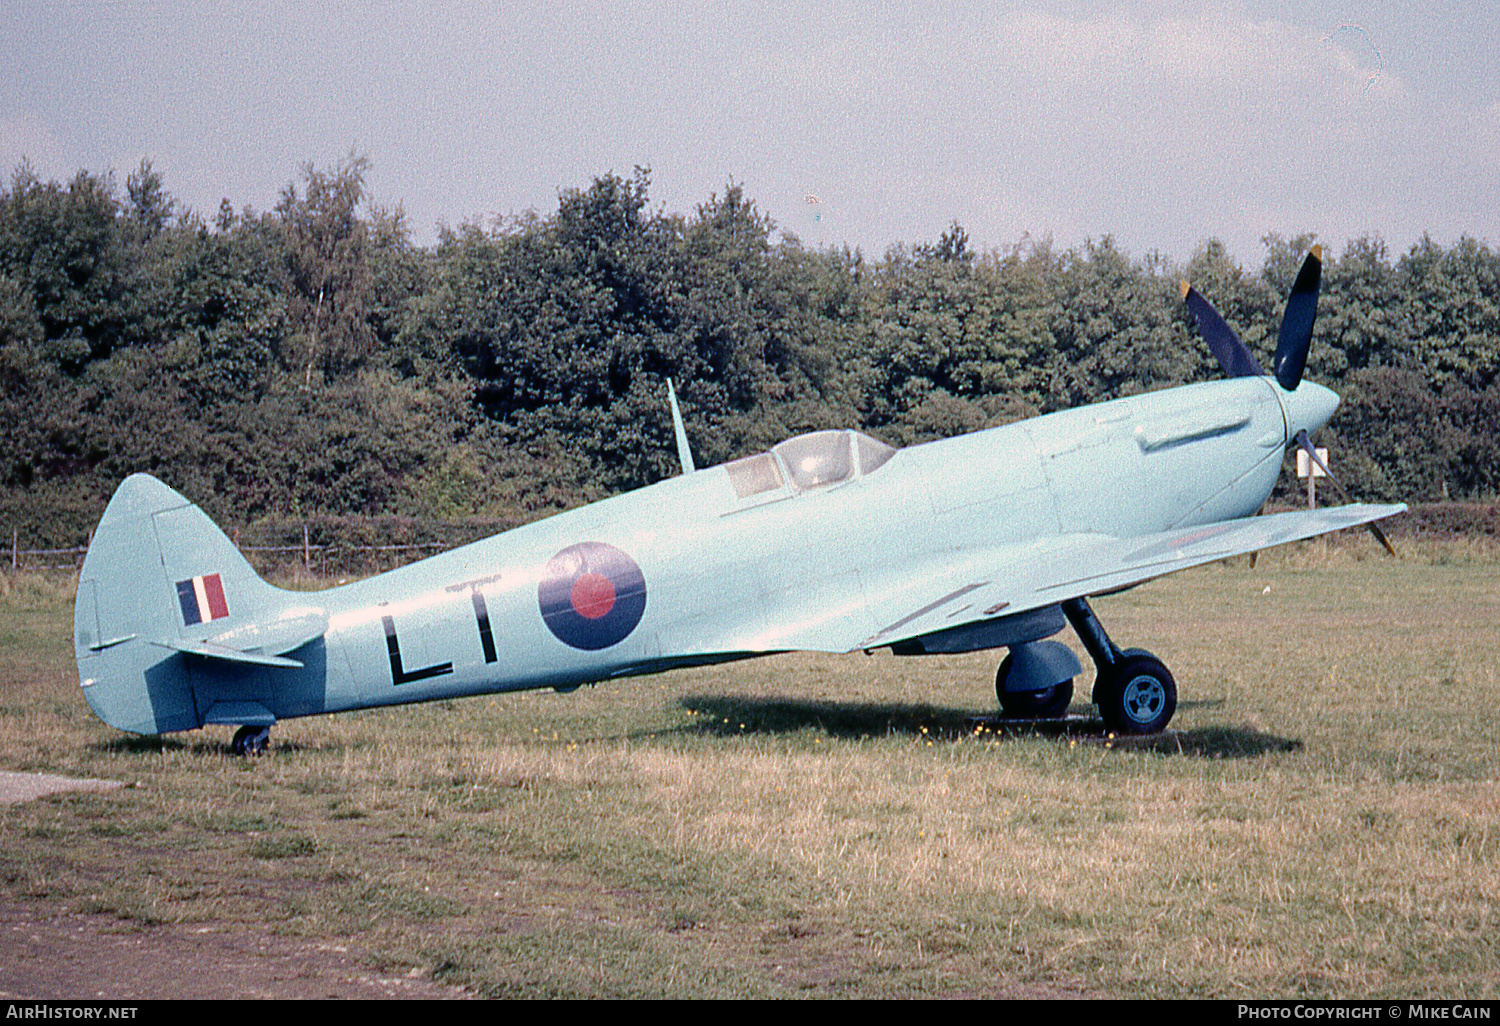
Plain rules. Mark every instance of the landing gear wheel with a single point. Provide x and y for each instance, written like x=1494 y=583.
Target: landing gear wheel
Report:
x=250 y=740
x=1046 y=704
x=1138 y=696
x=1125 y=654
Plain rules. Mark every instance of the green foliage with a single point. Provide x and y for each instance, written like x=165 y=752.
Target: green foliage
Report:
x=63 y=246
x=312 y=361
x=326 y=270
x=571 y=326
x=150 y=208
x=1397 y=413
x=1452 y=307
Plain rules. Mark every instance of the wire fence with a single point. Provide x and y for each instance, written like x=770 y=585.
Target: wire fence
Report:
x=328 y=548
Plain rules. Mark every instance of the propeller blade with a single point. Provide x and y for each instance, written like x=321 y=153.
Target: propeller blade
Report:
x=1297 y=322
x=1256 y=552
x=1312 y=454
x=1227 y=348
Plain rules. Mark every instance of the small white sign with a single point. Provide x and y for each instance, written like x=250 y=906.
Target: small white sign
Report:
x=1303 y=461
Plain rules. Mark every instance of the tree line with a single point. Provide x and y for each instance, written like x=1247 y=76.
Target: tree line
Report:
x=312 y=360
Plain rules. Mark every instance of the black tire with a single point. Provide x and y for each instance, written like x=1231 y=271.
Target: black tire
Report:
x=250 y=740
x=1046 y=704
x=1139 y=696
x=1125 y=654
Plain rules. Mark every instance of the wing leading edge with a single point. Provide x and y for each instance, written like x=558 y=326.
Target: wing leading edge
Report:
x=1014 y=579
x=1135 y=560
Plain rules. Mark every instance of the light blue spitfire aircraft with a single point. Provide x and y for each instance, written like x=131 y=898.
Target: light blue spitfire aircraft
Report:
x=830 y=542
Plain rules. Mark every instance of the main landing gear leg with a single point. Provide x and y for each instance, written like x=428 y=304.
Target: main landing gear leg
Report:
x=1133 y=689
x=250 y=740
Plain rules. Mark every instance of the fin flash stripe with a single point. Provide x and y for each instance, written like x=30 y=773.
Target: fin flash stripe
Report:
x=202 y=599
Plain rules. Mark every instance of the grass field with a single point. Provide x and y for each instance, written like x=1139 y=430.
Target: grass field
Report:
x=1323 y=821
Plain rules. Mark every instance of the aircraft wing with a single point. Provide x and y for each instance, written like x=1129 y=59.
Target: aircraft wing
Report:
x=1128 y=561
x=1015 y=579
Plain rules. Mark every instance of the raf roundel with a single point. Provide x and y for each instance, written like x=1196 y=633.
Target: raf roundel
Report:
x=592 y=595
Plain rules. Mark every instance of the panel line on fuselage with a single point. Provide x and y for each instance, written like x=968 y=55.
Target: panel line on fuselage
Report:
x=929 y=608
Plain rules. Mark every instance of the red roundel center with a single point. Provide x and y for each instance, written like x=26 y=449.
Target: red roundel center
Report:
x=592 y=596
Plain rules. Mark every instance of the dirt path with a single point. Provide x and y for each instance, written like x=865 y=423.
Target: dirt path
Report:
x=23 y=787
x=46 y=952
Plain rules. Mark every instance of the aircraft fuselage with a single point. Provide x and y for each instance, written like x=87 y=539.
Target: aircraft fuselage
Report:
x=685 y=571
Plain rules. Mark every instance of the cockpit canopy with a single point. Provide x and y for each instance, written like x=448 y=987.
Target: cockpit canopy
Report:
x=814 y=460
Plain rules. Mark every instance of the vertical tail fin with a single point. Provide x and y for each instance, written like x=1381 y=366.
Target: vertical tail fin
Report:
x=159 y=575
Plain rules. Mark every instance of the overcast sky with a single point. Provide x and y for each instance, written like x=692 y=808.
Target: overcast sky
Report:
x=1160 y=123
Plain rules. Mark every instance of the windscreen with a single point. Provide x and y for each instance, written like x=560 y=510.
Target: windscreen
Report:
x=753 y=475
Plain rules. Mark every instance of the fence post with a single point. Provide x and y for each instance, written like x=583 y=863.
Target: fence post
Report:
x=306 y=555
x=13 y=552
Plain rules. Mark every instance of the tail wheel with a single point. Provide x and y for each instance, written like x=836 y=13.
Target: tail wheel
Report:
x=1139 y=695
x=250 y=740
x=1046 y=704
